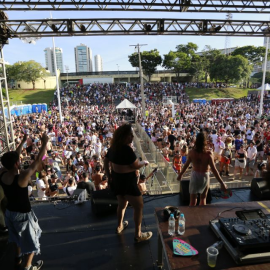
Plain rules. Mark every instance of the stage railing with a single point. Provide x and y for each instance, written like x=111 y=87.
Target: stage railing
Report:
x=170 y=184
x=166 y=176
x=153 y=185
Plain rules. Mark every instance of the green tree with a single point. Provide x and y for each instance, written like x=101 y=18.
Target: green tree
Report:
x=32 y=71
x=177 y=61
x=190 y=49
x=197 y=67
x=29 y=71
x=208 y=57
x=149 y=60
x=253 y=54
x=258 y=77
x=230 y=69
x=196 y=63
x=15 y=72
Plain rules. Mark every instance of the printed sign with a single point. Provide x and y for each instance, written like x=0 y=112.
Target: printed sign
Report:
x=182 y=248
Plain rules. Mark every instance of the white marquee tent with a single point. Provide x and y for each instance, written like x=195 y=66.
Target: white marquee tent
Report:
x=266 y=87
x=126 y=104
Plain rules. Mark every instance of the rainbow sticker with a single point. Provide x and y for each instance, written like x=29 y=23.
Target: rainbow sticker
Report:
x=182 y=248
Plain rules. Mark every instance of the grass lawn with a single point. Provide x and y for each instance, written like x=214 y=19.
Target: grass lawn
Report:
x=46 y=96
x=30 y=96
x=216 y=93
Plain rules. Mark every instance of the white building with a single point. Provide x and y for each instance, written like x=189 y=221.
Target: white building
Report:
x=49 y=59
x=98 y=63
x=83 y=58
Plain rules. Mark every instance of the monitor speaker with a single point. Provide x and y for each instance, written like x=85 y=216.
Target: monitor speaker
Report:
x=260 y=188
x=184 y=193
x=103 y=201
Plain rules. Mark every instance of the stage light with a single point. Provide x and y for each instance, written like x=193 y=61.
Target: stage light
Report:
x=147 y=27
x=203 y=26
x=186 y=3
x=160 y=25
x=83 y=28
x=218 y=28
x=29 y=39
x=70 y=27
x=54 y=28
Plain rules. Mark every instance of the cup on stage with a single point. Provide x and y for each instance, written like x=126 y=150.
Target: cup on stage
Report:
x=212 y=254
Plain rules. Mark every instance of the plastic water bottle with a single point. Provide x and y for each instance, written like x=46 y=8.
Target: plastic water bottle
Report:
x=171 y=228
x=218 y=245
x=181 y=224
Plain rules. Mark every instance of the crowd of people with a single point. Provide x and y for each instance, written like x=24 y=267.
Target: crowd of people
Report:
x=77 y=145
x=234 y=132
x=90 y=148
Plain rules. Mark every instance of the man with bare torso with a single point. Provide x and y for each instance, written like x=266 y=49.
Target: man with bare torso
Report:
x=97 y=177
x=202 y=160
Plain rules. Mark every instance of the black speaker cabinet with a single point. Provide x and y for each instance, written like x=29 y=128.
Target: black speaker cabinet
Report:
x=103 y=201
x=260 y=188
x=184 y=193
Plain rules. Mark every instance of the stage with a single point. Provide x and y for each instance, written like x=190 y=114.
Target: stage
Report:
x=74 y=238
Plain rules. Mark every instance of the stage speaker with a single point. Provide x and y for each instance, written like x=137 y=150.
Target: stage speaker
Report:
x=184 y=193
x=103 y=201
x=260 y=188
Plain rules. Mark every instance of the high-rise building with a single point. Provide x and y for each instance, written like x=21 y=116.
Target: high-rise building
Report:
x=83 y=58
x=49 y=59
x=98 y=63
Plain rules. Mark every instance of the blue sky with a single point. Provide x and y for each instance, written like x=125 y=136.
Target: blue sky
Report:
x=115 y=50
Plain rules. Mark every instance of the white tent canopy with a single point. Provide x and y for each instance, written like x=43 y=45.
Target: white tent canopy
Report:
x=126 y=104
x=266 y=87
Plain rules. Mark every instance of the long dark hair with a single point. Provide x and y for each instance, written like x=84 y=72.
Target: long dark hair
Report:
x=200 y=143
x=120 y=136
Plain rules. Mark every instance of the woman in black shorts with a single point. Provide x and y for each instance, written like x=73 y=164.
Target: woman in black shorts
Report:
x=120 y=165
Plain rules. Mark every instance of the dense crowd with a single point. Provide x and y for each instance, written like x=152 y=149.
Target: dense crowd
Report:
x=77 y=146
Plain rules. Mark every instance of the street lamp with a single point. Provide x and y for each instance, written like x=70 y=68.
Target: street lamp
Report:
x=118 y=73
x=141 y=78
x=67 y=69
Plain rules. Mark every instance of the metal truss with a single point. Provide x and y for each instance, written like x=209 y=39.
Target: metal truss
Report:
x=112 y=27
x=6 y=125
x=244 y=6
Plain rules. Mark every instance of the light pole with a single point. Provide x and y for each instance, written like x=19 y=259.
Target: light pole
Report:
x=57 y=82
x=118 y=73
x=264 y=73
x=141 y=77
x=67 y=69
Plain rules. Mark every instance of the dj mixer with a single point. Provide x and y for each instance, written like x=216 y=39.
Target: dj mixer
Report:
x=247 y=234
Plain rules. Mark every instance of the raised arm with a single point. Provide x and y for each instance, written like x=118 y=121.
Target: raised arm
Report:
x=19 y=148
x=25 y=175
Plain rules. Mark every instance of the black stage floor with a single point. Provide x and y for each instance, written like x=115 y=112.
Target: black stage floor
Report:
x=74 y=238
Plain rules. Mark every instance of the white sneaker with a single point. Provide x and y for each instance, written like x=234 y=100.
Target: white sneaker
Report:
x=37 y=265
